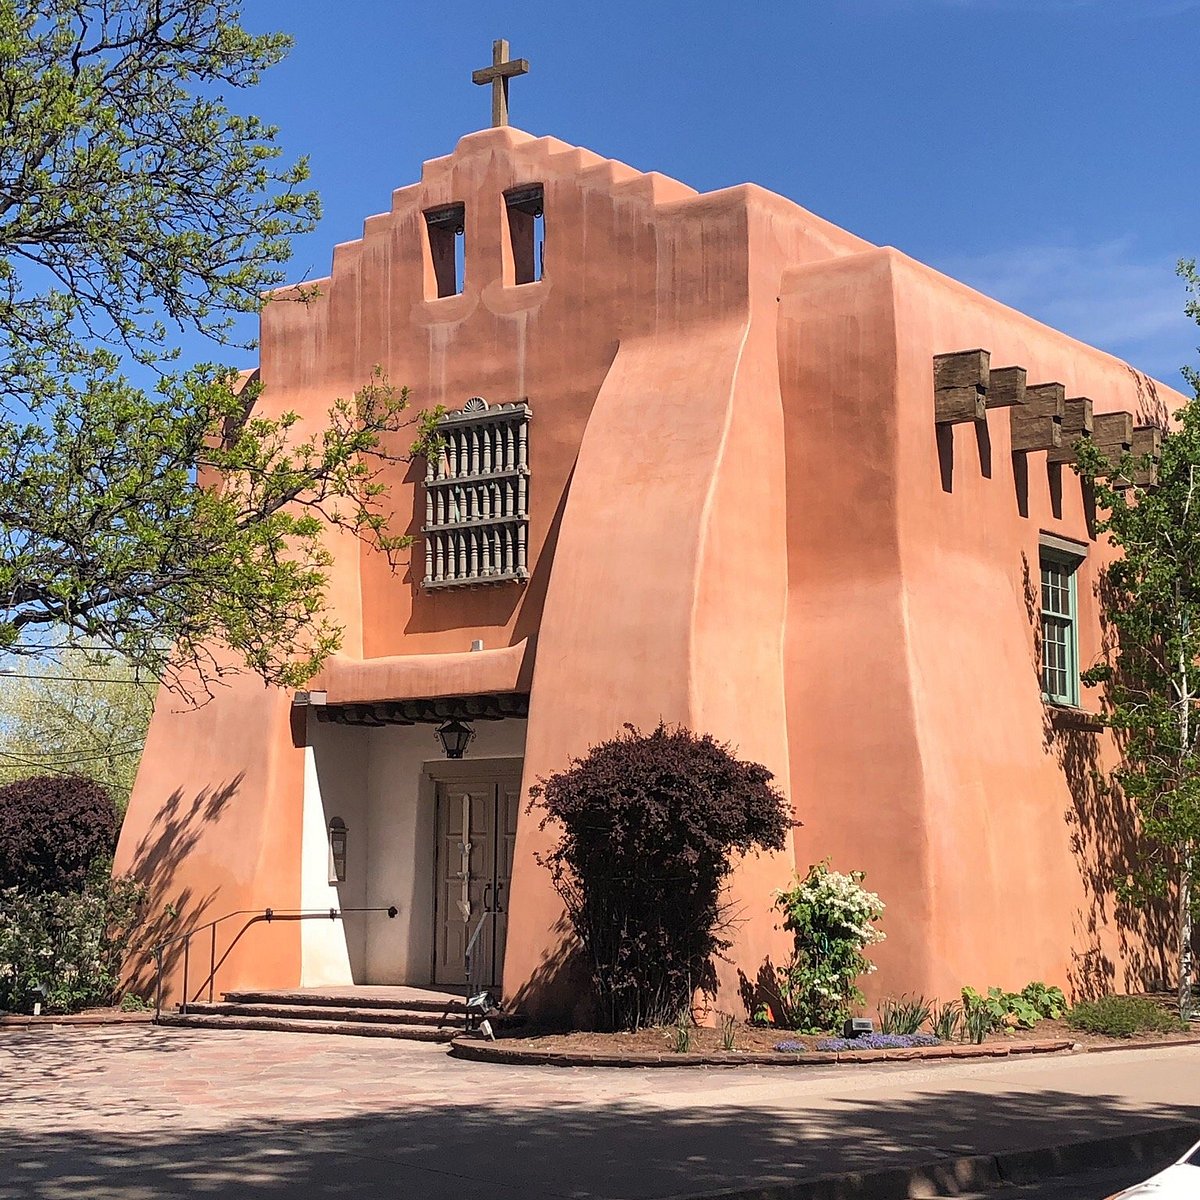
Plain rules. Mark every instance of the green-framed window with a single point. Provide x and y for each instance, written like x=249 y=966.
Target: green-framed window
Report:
x=1060 y=627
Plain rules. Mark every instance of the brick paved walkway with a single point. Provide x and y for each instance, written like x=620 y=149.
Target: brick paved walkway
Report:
x=141 y=1113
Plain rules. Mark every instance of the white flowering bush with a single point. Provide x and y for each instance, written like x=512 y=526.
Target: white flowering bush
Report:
x=833 y=920
x=70 y=944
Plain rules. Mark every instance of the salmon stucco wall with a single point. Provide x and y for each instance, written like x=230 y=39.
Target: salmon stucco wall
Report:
x=213 y=829
x=669 y=591
x=742 y=518
x=922 y=749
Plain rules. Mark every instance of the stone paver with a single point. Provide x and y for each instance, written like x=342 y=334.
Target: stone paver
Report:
x=145 y=1112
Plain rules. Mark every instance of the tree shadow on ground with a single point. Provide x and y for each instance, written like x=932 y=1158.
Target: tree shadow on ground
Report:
x=477 y=1148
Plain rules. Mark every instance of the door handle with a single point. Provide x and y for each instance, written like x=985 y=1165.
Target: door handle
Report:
x=498 y=909
x=486 y=906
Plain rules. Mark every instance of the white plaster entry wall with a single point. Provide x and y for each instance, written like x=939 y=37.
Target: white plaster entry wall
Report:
x=400 y=825
x=332 y=953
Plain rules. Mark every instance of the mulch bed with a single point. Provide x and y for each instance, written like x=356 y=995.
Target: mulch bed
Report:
x=522 y=1052
x=755 y=1045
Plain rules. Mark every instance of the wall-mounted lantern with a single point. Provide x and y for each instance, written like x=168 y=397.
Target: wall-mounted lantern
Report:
x=337 y=850
x=455 y=737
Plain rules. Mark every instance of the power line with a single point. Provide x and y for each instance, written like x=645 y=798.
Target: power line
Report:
x=72 y=679
x=70 y=760
x=25 y=762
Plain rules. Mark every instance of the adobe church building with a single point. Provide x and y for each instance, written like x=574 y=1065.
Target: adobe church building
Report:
x=709 y=460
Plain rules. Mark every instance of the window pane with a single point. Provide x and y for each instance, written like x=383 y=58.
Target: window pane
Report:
x=1060 y=654
x=1055 y=656
x=1056 y=588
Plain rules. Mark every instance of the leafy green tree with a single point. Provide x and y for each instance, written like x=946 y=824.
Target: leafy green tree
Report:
x=159 y=527
x=134 y=204
x=75 y=714
x=1151 y=596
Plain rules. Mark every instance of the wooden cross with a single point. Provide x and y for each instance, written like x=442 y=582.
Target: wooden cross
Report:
x=498 y=75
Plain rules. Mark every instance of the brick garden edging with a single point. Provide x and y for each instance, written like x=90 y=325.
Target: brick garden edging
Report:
x=500 y=1052
x=48 y=1020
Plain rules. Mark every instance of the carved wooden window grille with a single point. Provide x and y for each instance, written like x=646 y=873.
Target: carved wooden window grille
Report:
x=477 y=497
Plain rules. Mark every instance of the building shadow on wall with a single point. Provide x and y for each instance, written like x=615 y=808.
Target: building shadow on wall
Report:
x=1104 y=841
x=173 y=834
x=561 y=984
x=760 y=995
x=1151 y=408
x=1103 y=830
x=531 y=1146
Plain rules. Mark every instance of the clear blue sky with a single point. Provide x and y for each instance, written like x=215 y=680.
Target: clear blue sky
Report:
x=1040 y=150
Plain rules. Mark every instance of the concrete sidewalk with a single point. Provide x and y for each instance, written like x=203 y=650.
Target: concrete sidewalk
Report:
x=147 y=1112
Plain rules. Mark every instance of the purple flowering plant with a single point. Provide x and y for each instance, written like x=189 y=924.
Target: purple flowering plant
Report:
x=880 y=1041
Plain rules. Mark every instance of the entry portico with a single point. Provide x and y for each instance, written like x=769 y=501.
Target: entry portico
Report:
x=431 y=836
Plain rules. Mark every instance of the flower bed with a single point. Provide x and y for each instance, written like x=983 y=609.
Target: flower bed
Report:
x=545 y=1052
x=754 y=1044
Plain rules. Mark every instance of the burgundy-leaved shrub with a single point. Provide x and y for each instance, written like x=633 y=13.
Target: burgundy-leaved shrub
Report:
x=650 y=823
x=52 y=829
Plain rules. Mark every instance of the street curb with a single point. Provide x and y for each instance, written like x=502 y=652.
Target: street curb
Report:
x=1152 y=1148
x=1191 y=1041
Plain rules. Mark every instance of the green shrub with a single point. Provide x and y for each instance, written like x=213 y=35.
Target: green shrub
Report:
x=1048 y=1001
x=977 y=1023
x=1015 y=1010
x=650 y=827
x=70 y=944
x=832 y=920
x=727 y=1024
x=52 y=829
x=904 y=1015
x=1123 y=1016
x=946 y=1020
x=683 y=1031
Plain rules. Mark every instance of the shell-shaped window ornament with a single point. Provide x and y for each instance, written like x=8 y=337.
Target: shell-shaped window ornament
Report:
x=475 y=404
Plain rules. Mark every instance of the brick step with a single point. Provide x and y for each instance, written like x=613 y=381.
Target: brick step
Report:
x=415 y=1003
x=412 y=1033
x=319 y=1012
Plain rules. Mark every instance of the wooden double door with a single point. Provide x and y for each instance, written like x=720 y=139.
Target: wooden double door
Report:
x=476 y=832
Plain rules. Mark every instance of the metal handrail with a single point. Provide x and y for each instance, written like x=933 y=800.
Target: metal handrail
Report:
x=264 y=914
x=475 y=1014
x=470 y=951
